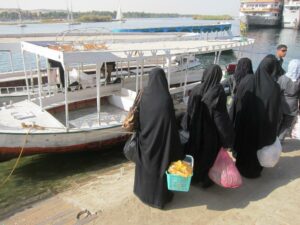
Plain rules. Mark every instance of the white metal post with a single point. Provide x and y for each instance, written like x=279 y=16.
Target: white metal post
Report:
x=185 y=77
x=128 y=64
x=142 y=73
x=31 y=76
x=105 y=73
x=11 y=62
x=39 y=79
x=169 y=70
x=137 y=77
x=122 y=75
x=26 y=78
x=48 y=75
x=219 y=55
x=181 y=68
x=216 y=57
x=66 y=72
x=98 y=80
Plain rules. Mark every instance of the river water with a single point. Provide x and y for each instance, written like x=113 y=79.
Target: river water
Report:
x=266 y=39
x=38 y=177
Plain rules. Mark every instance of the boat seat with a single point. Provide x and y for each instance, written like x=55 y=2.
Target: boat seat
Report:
x=22 y=115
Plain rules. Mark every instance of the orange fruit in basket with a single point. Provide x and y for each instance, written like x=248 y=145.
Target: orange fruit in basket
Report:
x=181 y=168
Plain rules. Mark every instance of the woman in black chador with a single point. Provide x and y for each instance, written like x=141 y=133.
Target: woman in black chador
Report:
x=208 y=123
x=243 y=69
x=159 y=142
x=256 y=113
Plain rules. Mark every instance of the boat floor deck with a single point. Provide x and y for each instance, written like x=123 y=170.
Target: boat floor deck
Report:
x=88 y=117
x=27 y=113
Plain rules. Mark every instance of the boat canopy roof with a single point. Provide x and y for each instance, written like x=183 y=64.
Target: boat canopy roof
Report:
x=204 y=28
x=72 y=53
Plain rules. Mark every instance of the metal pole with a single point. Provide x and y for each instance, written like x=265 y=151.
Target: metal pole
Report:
x=25 y=72
x=66 y=72
x=137 y=78
x=31 y=76
x=128 y=69
x=39 y=79
x=117 y=69
x=216 y=56
x=181 y=67
x=98 y=79
x=48 y=75
x=11 y=62
x=219 y=55
x=185 y=77
x=142 y=73
x=105 y=73
x=169 y=70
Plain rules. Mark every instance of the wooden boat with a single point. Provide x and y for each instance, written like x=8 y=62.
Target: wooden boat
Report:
x=90 y=115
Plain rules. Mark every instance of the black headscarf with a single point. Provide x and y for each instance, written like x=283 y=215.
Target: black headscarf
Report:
x=272 y=66
x=256 y=115
x=243 y=68
x=208 y=122
x=159 y=142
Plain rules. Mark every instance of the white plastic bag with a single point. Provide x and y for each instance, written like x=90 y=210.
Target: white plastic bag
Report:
x=269 y=155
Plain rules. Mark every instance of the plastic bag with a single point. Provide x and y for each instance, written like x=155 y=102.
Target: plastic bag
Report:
x=224 y=171
x=131 y=147
x=269 y=155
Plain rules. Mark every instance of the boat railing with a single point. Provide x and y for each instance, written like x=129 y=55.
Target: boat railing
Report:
x=22 y=90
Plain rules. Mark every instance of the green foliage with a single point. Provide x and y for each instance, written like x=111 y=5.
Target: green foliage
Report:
x=94 y=18
x=150 y=15
x=212 y=17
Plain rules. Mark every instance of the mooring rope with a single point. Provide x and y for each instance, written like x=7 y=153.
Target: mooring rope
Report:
x=18 y=160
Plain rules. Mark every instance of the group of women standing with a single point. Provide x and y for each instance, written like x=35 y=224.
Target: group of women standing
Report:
x=251 y=123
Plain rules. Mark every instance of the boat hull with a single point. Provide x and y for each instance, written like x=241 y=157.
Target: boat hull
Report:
x=261 y=21
x=95 y=140
x=291 y=20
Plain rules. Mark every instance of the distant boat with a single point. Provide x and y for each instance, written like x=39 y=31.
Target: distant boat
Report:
x=21 y=24
x=266 y=13
x=291 y=14
x=120 y=16
x=70 y=16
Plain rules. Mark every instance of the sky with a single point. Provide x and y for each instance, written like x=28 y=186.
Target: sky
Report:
x=212 y=7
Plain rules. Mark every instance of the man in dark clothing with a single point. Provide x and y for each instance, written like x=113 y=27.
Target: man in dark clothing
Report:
x=56 y=64
x=280 y=54
x=110 y=67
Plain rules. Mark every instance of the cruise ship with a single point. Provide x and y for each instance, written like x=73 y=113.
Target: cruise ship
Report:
x=291 y=14
x=261 y=12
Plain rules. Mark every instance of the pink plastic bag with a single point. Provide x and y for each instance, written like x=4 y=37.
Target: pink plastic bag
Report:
x=224 y=172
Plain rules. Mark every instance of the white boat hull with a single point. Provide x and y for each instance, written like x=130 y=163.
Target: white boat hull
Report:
x=261 y=20
x=291 y=19
x=12 y=143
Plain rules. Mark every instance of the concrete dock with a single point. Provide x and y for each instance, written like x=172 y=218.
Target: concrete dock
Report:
x=273 y=199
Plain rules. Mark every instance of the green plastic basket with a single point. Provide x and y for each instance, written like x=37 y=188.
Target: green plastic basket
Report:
x=180 y=183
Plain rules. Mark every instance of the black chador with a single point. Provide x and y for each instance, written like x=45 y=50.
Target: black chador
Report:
x=256 y=113
x=159 y=142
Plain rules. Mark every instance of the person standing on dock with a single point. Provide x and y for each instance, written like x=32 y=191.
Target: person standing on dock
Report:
x=158 y=141
x=281 y=53
x=290 y=86
x=256 y=116
x=208 y=123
